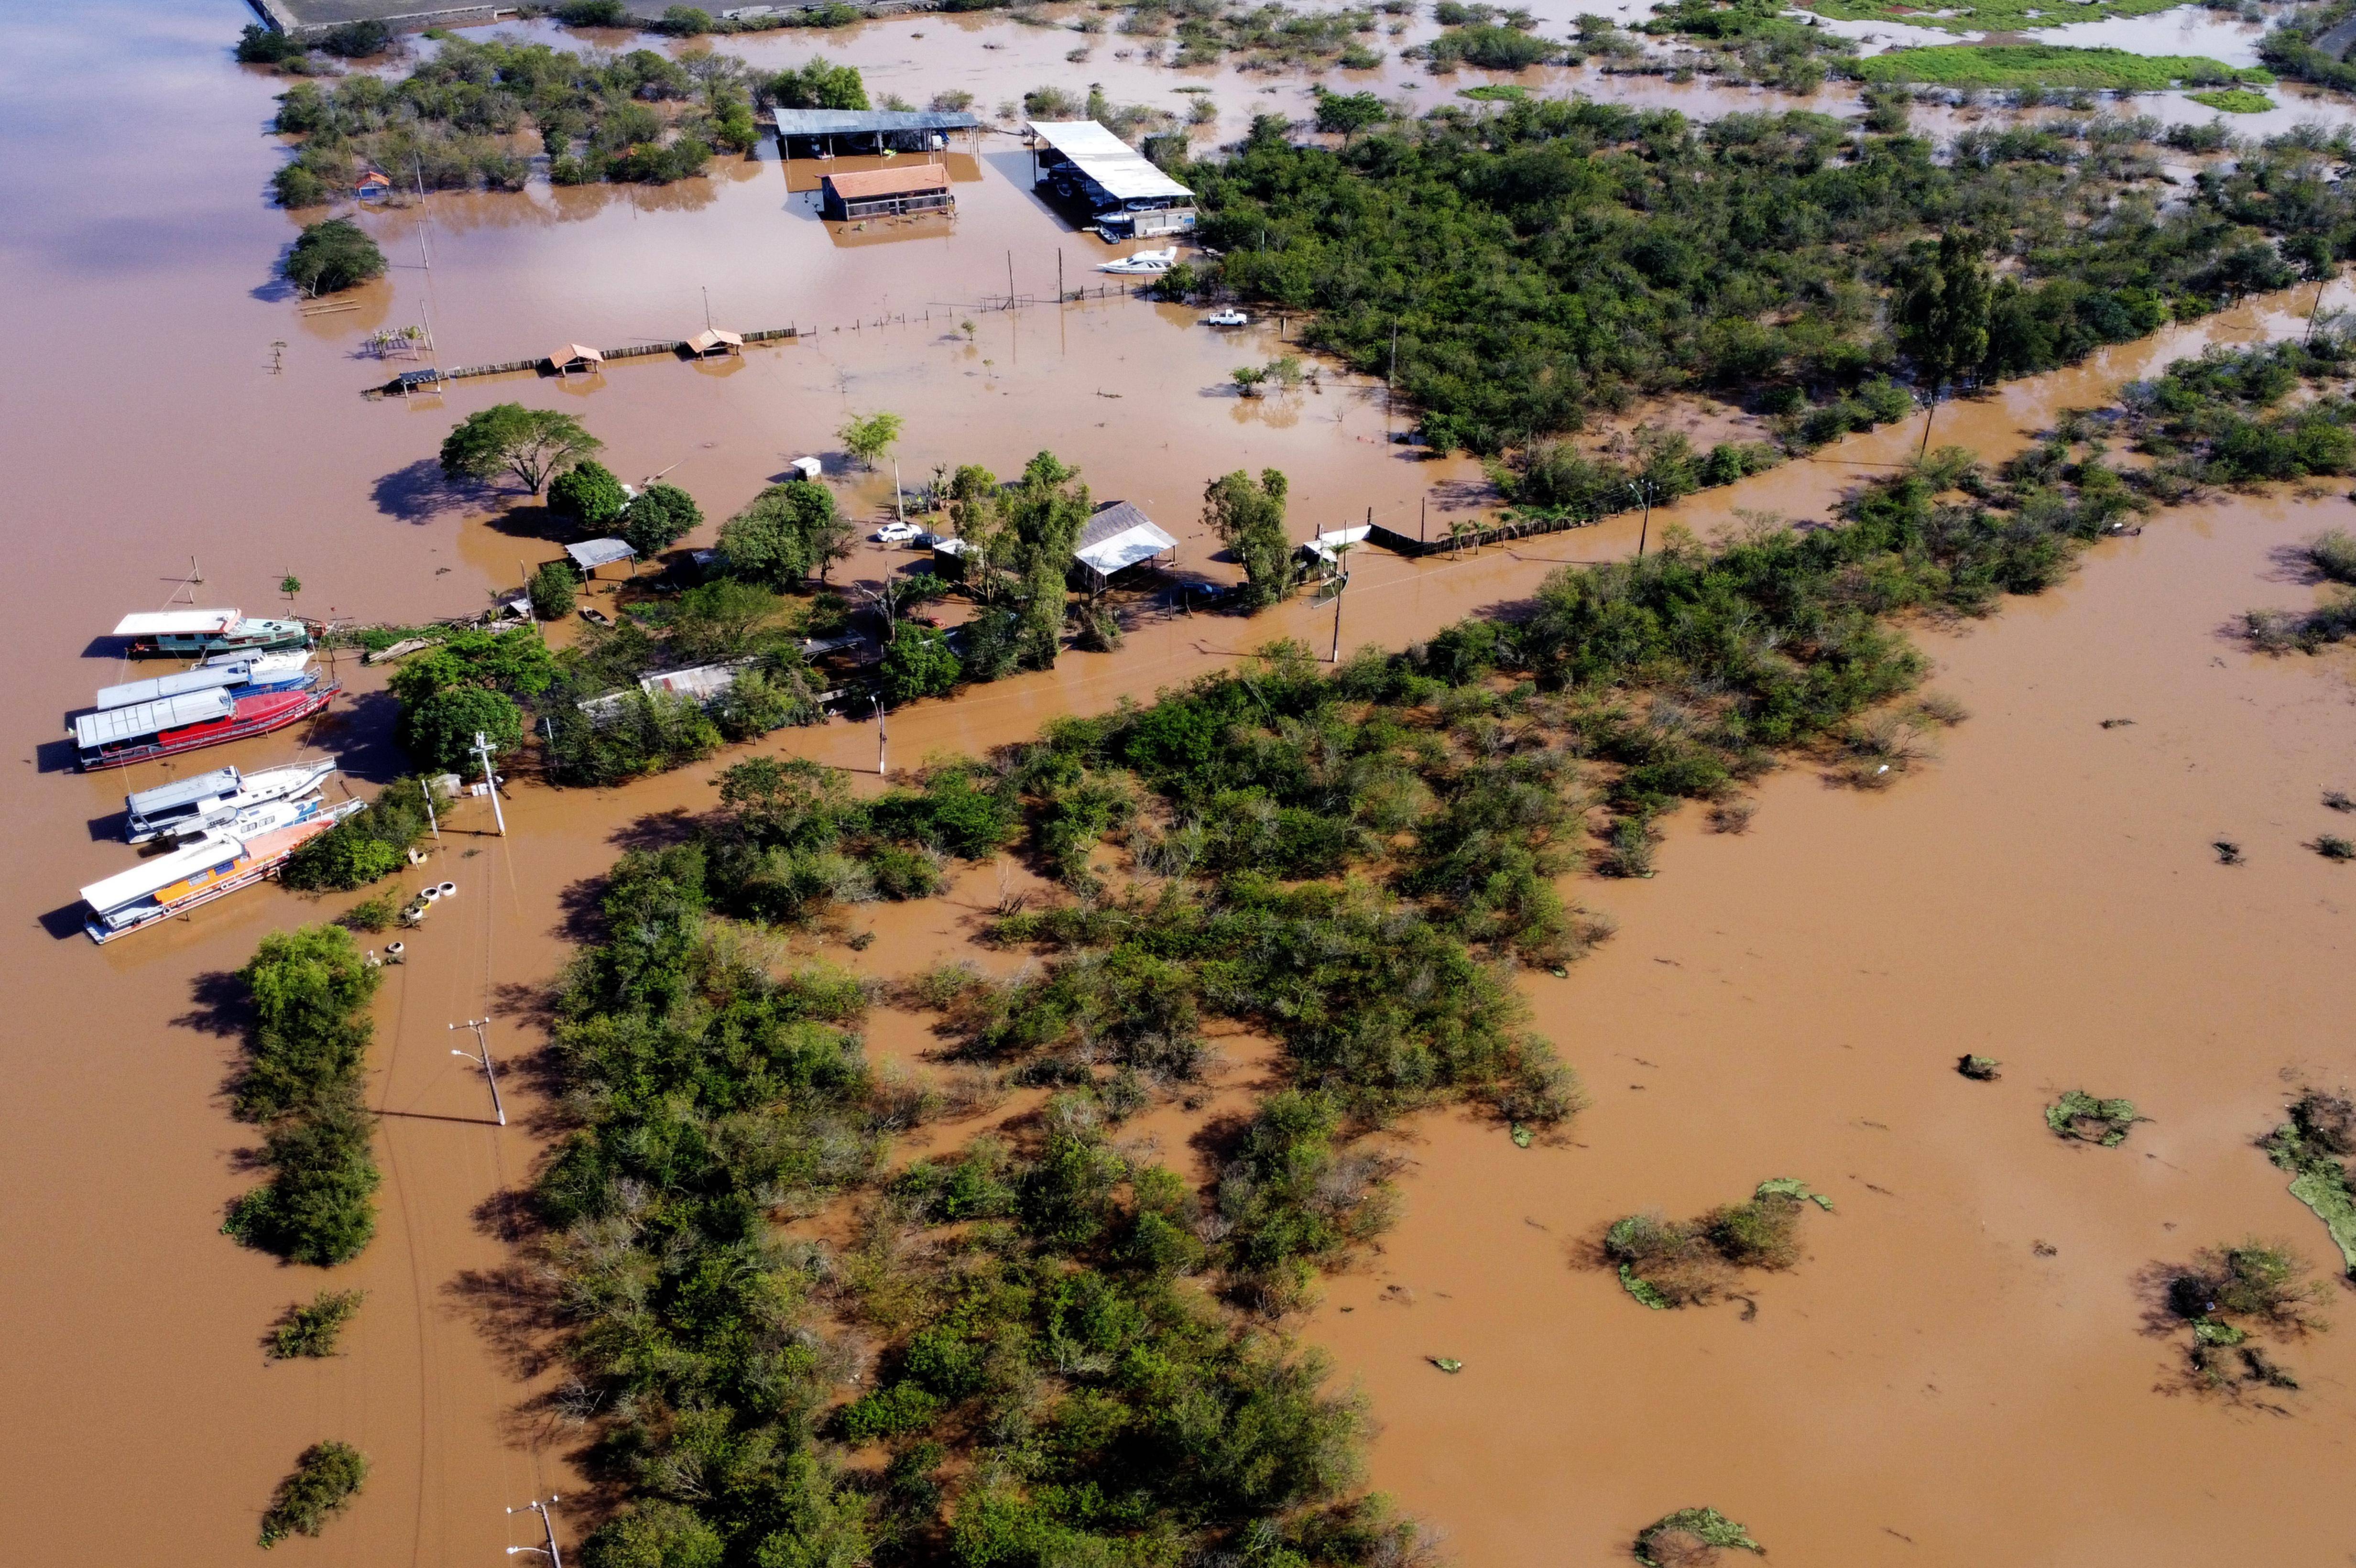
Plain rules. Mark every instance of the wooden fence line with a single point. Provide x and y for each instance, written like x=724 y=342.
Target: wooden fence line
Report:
x=1529 y=527
x=766 y=335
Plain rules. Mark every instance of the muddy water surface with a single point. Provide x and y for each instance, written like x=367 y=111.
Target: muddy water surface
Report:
x=1997 y=902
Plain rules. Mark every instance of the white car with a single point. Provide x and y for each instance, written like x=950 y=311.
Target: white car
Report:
x=896 y=533
x=1227 y=318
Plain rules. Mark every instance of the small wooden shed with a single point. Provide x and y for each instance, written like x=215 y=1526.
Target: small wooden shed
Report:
x=575 y=356
x=886 y=193
x=713 y=343
x=373 y=185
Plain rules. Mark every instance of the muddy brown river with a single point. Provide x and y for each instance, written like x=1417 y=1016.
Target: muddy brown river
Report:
x=1926 y=1387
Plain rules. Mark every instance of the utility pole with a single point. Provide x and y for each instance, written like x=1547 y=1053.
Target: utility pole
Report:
x=1390 y=382
x=707 y=305
x=1645 y=493
x=483 y=750
x=899 y=504
x=882 y=766
x=483 y=1061
x=432 y=821
x=547 y=1525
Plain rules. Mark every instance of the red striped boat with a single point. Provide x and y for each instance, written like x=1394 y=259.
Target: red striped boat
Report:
x=118 y=737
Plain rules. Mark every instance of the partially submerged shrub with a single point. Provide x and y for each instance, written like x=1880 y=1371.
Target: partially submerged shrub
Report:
x=1983 y=1068
x=323 y=1482
x=312 y=1329
x=1691 y=1538
x=1665 y=1264
x=2080 y=1115
x=2314 y=1146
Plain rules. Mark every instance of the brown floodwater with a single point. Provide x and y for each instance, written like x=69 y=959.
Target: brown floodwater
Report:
x=2042 y=893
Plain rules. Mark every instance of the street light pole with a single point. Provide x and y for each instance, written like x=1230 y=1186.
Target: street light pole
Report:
x=484 y=1061
x=547 y=1525
x=483 y=750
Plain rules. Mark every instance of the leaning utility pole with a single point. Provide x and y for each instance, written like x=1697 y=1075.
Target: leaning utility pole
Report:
x=883 y=767
x=483 y=1061
x=483 y=750
x=548 y=1526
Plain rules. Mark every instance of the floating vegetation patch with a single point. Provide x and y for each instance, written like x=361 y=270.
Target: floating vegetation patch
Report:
x=1665 y=1263
x=1982 y=1069
x=2313 y=1145
x=1691 y=1537
x=2080 y=1115
x=2229 y=1297
x=1493 y=92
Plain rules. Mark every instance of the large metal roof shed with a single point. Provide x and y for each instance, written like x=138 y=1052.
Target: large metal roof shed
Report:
x=1086 y=164
x=827 y=131
x=1116 y=537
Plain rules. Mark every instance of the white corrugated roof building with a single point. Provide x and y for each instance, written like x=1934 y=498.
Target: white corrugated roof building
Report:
x=1116 y=537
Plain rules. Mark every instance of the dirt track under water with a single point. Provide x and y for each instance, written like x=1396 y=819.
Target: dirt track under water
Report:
x=1923 y=1387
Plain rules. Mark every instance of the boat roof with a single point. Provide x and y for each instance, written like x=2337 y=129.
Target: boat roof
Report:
x=1126 y=174
x=177 y=622
x=203 y=678
x=150 y=876
x=591 y=554
x=183 y=792
x=106 y=728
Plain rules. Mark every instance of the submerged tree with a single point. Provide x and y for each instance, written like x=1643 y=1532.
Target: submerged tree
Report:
x=1942 y=313
x=1249 y=520
x=332 y=255
x=785 y=533
x=533 y=445
x=869 y=437
x=588 y=495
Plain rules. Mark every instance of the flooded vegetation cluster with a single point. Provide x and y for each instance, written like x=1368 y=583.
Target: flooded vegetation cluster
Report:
x=1342 y=862
x=1665 y=1264
x=1054 y=1392
x=301 y=1082
x=454 y=120
x=1533 y=265
x=2315 y=1146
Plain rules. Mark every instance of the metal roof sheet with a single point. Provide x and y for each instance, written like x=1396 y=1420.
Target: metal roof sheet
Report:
x=846 y=121
x=1119 y=536
x=177 y=622
x=1126 y=174
x=591 y=554
x=117 y=724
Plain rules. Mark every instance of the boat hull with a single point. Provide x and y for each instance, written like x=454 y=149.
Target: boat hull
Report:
x=258 y=715
x=258 y=858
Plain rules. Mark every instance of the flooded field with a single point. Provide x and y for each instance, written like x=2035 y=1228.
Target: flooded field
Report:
x=1791 y=1002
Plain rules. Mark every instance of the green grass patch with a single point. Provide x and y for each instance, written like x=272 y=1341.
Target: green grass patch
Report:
x=1494 y=92
x=2048 y=65
x=2234 y=101
x=1988 y=16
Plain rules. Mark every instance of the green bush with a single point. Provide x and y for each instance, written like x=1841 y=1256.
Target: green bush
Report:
x=555 y=589
x=324 y=1480
x=439 y=732
x=312 y=1329
x=918 y=662
x=345 y=857
x=588 y=496
x=659 y=517
x=331 y=255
